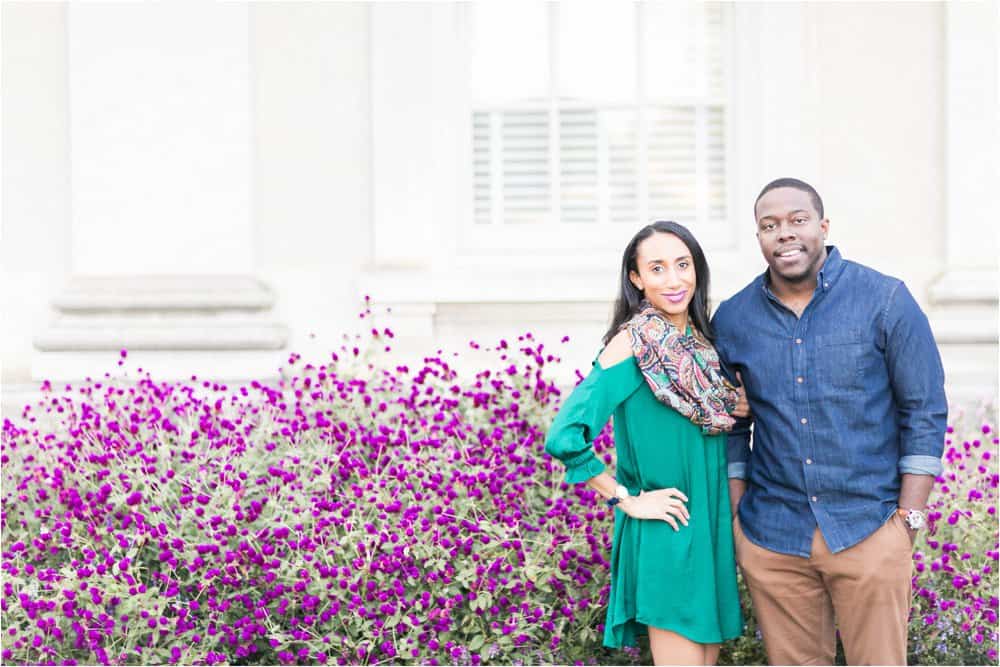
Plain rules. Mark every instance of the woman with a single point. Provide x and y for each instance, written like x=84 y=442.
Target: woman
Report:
x=673 y=573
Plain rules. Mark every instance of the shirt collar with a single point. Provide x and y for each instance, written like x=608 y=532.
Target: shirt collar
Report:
x=827 y=276
x=831 y=268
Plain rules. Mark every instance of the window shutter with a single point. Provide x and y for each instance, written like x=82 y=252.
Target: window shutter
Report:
x=621 y=131
x=670 y=150
x=578 y=165
x=715 y=162
x=482 y=169
x=524 y=150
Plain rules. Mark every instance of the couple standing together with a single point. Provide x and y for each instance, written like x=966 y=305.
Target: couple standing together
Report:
x=842 y=383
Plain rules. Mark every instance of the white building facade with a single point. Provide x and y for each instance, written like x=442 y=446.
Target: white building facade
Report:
x=214 y=185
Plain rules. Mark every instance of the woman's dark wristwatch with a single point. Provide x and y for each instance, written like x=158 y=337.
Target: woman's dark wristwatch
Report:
x=621 y=493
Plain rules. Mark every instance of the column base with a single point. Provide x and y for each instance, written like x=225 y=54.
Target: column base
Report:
x=173 y=326
x=963 y=315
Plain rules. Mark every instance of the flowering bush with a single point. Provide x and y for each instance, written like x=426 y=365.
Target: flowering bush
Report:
x=954 y=614
x=355 y=513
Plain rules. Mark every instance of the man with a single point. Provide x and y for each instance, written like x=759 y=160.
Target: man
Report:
x=849 y=414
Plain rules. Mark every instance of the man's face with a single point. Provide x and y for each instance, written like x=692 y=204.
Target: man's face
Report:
x=791 y=234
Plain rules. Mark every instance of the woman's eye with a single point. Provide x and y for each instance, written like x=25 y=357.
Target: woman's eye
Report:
x=683 y=265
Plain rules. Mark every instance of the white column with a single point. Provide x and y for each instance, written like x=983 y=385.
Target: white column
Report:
x=160 y=138
x=964 y=298
x=419 y=156
x=972 y=169
x=162 y=232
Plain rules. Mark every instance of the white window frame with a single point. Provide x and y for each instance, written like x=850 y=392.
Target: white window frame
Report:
x=553 y=234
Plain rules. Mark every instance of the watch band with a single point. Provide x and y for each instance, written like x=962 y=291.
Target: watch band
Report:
x=621 y=493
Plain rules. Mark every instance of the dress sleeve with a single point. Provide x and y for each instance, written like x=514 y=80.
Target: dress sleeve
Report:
x=581 y=418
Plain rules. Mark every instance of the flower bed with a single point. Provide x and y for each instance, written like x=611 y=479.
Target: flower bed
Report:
x=361 y=512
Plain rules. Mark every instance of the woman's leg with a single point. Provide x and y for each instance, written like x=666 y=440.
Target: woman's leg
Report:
x=669 y=648
x=711 y=653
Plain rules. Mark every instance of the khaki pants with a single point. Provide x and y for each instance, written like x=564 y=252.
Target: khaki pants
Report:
x=867 y=588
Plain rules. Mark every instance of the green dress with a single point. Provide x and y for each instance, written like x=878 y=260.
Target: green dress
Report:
x=682 y=581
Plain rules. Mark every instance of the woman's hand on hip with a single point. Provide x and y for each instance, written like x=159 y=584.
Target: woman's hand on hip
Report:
x=662 y=504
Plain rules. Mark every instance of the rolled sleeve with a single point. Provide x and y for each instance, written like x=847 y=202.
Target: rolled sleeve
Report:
x=583 y=467
x=916 y=464
x=738 y=449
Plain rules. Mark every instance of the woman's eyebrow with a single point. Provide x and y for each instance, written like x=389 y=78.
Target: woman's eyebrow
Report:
x=660 y=261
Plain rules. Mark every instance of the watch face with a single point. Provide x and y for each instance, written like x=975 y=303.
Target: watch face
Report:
x=915 y=520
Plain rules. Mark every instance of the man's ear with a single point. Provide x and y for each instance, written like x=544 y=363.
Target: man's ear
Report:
x=824 y=224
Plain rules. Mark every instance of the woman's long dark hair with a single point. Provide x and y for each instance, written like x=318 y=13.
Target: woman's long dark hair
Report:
x=630 y=297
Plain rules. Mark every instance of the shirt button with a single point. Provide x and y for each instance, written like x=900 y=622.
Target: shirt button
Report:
x=800 y=379
x=809 y=462
x=815 y=499
x=804 y=420
x=798 y=341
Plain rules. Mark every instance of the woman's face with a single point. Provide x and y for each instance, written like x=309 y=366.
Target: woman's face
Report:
x=666 y=275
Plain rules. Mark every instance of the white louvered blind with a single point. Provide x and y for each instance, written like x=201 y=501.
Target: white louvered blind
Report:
x=598 y=115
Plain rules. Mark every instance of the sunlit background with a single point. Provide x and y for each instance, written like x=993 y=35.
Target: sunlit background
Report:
x=215 y=185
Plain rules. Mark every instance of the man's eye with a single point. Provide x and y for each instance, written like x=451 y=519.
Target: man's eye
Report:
x=657 y=269
x=801 y=221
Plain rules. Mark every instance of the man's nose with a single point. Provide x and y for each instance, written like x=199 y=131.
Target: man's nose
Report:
x=785 y=232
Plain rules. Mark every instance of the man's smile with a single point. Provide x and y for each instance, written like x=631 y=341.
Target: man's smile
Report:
x=786 y=253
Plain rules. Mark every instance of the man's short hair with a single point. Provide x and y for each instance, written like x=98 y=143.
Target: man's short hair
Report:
x=792 y=183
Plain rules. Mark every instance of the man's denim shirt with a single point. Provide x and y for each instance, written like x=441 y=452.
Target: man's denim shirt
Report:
x=845 y=399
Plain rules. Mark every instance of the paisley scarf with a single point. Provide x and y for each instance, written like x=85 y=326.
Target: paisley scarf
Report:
x=682 y=369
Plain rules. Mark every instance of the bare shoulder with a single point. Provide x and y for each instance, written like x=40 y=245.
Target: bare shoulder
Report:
x=618 y=349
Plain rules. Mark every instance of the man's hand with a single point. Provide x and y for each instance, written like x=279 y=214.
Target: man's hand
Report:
x=913 y=493
x=742 y=408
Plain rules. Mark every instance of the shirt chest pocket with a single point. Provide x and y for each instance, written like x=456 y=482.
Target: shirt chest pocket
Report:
x=839 y=361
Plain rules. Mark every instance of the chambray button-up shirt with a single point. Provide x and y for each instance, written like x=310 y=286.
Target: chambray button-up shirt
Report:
x=845 y=399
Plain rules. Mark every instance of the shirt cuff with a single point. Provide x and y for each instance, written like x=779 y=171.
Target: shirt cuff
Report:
x=581 y=472
x=737 y=470
x=917 y=464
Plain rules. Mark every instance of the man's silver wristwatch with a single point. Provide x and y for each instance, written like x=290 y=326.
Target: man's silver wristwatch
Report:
x=915 y=519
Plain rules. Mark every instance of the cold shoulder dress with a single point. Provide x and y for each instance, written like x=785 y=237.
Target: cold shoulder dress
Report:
x=682 y=581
